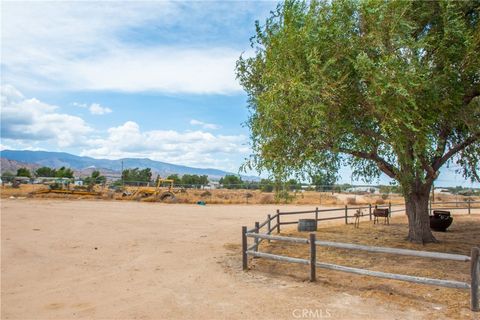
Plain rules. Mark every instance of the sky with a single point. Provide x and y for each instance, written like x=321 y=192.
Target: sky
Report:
x=131 y=79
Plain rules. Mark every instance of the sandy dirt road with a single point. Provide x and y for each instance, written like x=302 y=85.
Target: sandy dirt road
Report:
x=131 y=260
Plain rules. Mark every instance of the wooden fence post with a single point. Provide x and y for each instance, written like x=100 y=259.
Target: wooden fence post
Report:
x=313 y=258
x=316 y=215
x=278 y=221
x=370 y=211
x=346 y=214
x=268 y=225
x=257 y=230
x=469 y=205
x=389 y=209
x=475 y=273
x=244 y=248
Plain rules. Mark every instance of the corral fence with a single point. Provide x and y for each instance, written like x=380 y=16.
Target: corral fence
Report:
x=263 y=231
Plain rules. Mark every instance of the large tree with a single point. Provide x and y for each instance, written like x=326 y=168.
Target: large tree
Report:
x=23 y=172
x=45 y=172
x=381 y=86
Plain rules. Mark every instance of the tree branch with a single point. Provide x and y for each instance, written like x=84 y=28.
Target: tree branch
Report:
x=432 y=174
x=441 y=161
x=371 y=133
x=382 y=164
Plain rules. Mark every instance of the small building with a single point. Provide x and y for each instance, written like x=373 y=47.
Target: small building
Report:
x=366 y=189
x=212 y=185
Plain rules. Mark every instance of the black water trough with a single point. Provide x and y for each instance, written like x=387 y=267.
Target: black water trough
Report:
x=307 y=225
x=440 y=221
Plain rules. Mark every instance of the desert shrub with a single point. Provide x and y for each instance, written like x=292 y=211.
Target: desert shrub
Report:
x=108 y=195
x=206 y=193
x=384 y=196
x=351 y=200
x=267 y=199
x=283 y=196
x=223 y=196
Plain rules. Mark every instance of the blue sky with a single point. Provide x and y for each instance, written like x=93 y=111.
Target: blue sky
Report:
x=131 y=79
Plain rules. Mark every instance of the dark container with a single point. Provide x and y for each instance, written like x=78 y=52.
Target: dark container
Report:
x=440 y=221
x=307 y=225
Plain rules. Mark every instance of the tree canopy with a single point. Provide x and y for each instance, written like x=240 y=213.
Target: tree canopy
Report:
x=95 y=178
x=231 y=182
x=136 y=175
x=63 y=173
x=194 y=180
x=45 y=172
x=324 y=180
x=380 y=86
x=23 y=172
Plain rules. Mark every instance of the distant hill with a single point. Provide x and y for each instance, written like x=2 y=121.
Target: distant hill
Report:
x=12 y=166
x=59 y=159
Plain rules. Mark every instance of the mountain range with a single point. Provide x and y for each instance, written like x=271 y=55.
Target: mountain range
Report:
x=34 y=159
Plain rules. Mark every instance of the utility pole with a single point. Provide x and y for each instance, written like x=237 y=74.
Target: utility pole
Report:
x=122 y=175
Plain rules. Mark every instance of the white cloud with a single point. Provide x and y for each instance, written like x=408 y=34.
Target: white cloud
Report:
x=28 y=123
x=28 y=120
x=97 y=109
x=204 y=125
x=193 y=148
x=52 y=45
x=94 y=108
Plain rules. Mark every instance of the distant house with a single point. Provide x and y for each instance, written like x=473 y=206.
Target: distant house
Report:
x=212 y=185
x=78 y=182
x=22 y=179
x=367 y=189
x=444 y=191
x=51 y=180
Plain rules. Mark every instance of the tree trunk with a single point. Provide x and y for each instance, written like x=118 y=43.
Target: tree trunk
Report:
x=416 y=205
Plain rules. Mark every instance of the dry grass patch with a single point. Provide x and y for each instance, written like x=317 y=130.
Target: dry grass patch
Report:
x=453 y=303
x=225 y=196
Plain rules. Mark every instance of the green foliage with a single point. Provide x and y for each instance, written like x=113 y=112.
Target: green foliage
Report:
x=231 y=182
x=64 y=173
x=176 y=179
x=45 y=172
x=132 y=176
x=24 y=172
x=266 y=185
x=194 y=180
x=56 y=186
x=391 y=189
x=50 y=172
x=95 y=178
x=324 y=180
x=8 y=176
x=293 y=185
x=381 y=86
x=283 y=196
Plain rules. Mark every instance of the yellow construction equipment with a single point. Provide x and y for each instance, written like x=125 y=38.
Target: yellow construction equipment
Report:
x=63 y=186
x=157 y=193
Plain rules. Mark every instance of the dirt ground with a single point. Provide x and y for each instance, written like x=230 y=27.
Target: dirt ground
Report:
x=94 y=259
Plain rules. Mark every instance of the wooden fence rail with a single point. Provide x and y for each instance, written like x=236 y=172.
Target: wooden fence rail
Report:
x=474 y=258
x=467 y=205
x=259 y=235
